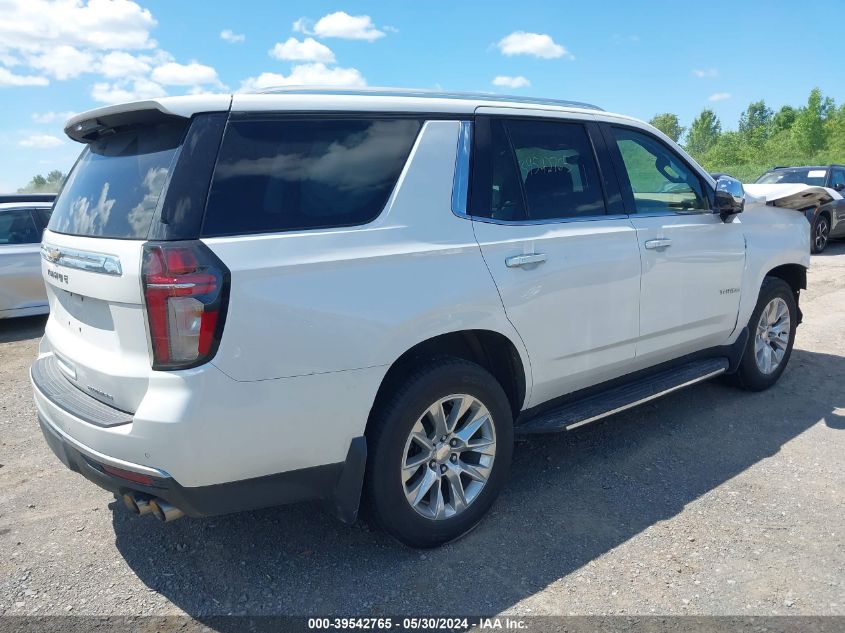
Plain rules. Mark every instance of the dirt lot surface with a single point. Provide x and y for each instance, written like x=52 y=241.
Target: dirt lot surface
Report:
x=709 y=501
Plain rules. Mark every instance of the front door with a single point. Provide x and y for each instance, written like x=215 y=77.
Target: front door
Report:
x=692 y=261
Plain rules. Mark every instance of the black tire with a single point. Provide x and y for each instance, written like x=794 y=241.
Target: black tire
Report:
x=820 y=234
x=749 y=376
x=389 y=430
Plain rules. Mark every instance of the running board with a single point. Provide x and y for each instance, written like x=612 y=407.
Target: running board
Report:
x=594 y=407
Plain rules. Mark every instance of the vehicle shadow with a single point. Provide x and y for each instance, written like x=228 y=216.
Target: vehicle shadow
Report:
x=22 y=328
x=572 y=497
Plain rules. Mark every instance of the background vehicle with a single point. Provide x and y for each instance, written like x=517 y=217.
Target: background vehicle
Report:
x=22 y=219
x=828 y=220
x=262 y=298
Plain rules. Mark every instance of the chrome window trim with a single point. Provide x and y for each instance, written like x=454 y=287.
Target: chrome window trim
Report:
x=100 y=263
x=586 y=218
x=661 y=214
x=460 y=182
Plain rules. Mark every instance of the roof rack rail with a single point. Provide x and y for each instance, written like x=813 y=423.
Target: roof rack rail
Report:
x=27 y=197
x=431 y=94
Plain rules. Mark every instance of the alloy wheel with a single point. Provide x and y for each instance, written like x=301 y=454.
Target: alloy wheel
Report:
x=821 y=234
x=772 y=336
x=448 y=457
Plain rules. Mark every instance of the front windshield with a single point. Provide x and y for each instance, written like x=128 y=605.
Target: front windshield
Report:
x=807 y=176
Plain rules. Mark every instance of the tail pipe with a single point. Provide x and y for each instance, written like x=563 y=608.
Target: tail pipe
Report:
x=141 y=504
x=163 y=511
x=138 y=503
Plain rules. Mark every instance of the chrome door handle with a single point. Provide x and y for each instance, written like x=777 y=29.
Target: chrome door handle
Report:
x=660 y=242
x=525 y=260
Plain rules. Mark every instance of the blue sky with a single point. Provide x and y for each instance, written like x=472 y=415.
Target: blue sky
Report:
x=638 y=58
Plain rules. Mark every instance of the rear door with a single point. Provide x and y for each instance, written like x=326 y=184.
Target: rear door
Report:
x=20 y=273
x=692 y=261
x=568 y=272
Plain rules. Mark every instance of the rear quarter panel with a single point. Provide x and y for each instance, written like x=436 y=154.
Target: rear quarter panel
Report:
x=322 y=301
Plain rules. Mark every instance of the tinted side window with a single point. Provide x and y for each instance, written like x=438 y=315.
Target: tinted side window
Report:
x=660 y=181
x=837 y=177
x=297 y=173
x=18 y=227
x=44 y=216
x=550 y=165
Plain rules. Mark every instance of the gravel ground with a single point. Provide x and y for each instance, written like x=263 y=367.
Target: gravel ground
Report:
x=709 y=501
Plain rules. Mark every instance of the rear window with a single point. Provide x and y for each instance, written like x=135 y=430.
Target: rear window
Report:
x=295 y=173
x=115 y=186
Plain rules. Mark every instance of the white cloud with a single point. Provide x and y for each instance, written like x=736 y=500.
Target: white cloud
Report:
x=306 y=74
x=536 y=44
x=8 y=78
x=227 y=35
x=123 y=65
x=511 y=82
x=136 y=90
x=63 y=62
x=51 y=117
x=709 y=72
x=719 y=96
x=41 y=141
x=192 y=74
x=63 y=39
x=30 y=25
x=341 y=24
x=308 y=50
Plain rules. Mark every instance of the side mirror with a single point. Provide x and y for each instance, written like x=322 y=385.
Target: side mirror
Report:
x=838 y=186
x=730 y=196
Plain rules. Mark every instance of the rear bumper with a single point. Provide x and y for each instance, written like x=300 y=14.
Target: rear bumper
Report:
x=208 y=455
x=337 y=484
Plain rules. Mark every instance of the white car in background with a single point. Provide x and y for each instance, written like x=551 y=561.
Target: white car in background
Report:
x=263 y=298
x=23 y=218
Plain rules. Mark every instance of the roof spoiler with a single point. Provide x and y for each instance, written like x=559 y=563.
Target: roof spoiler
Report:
x=87 y=126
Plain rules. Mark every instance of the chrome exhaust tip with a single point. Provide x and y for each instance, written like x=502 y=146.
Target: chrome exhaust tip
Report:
x=138 y=503
x=163 y=511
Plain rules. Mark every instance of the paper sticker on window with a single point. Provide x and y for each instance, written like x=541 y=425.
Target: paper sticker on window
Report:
x=816 y=173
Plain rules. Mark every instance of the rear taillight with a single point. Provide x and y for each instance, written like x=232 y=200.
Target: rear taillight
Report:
x=186 y=290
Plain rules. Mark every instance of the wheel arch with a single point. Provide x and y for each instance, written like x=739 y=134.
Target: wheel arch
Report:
x=492 y=350
x=793 y=274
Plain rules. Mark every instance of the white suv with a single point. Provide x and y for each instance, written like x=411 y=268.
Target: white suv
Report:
x=264 y=298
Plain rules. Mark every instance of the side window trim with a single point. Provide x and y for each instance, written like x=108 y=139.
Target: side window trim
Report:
x=463 y=170
x=611 y=188
x=481 y=169
x=515 y=159
x=625 y=183
x=480 y=199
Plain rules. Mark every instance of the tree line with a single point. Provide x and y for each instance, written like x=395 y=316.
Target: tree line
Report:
x=44 y=184
x=813 y=134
